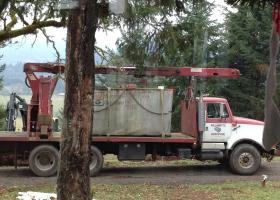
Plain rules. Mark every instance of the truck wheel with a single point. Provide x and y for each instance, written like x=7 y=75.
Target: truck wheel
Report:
x=96 y=162
x=43 y=160
x=245 y=159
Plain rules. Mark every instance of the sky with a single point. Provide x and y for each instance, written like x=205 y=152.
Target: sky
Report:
x=24 y=51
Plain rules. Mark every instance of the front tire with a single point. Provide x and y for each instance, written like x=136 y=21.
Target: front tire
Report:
x=43 y=160
x=245 y=159
x=96 y=161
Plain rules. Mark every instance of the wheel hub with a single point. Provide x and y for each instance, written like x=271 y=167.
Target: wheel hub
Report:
x=246 y=160
x=44 y=160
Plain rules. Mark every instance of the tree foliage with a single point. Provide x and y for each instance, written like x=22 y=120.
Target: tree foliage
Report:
x=27 y=17
x=2 y=118
x=247 y=49
x=2 y=68
x=176 y=34
x=2 y=110
x=251 y=3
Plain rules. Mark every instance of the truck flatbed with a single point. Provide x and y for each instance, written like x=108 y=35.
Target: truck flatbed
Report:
x=6 y=136
x=172 y=138
x=55 y=137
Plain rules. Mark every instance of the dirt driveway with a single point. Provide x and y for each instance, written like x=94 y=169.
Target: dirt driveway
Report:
x=200 y=173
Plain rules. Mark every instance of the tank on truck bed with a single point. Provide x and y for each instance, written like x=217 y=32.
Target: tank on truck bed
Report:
x=132 y=112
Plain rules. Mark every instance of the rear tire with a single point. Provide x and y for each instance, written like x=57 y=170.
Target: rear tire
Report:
x=43 y=160
x=96 y=161
x=245 y=159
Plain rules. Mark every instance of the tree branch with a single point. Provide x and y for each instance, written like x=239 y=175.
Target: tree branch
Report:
x=48 y=38
x=21 y=17
x=8 y=34
x=13 y=18
x=102 y=53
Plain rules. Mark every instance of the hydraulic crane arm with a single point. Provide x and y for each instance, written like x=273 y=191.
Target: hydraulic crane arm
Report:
x=146 y=71
x=53 y=68
x=171 y=71
x=39 y=117
x=35 y=82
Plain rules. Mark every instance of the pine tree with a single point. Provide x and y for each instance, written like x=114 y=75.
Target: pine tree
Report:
x=248 y=33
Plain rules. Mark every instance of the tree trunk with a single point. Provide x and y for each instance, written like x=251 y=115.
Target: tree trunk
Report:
x=73 y=177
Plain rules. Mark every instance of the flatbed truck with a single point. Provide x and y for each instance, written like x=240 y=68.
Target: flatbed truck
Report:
x=209 y=130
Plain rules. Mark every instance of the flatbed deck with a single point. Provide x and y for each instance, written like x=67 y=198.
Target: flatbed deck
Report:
x=172 y=138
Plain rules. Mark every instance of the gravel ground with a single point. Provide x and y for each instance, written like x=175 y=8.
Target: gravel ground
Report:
x=194 y=174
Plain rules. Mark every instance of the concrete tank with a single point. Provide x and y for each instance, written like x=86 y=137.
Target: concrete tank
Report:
x=132 y=112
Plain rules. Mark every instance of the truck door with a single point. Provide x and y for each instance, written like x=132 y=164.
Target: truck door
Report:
x=218 y=124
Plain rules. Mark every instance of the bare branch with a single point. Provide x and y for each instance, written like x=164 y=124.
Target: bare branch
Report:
x=4 y=22
x=21 y=17
x=102 y=53
x=36 y=35
x=35 y=12
x=49 y=40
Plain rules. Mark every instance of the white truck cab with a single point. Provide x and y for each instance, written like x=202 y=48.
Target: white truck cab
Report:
x=240 y=139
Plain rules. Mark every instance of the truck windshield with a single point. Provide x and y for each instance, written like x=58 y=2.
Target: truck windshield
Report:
x=216 y=110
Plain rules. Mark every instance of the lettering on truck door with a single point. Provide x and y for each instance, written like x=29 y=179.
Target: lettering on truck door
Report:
x=218 y=125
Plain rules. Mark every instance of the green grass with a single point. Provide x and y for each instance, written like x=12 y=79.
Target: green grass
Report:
x=112 y=161
x=148 y=192
x=222 y=191
x=243 y=190
x=276 y=158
